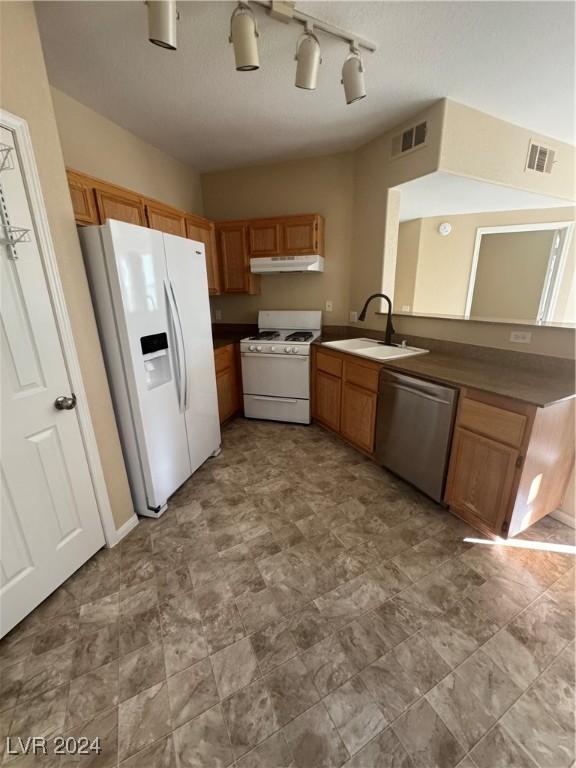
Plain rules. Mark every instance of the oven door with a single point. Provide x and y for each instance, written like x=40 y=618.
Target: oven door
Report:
x=274 y=375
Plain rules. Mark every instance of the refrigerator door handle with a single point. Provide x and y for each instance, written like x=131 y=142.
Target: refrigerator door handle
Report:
x=179 y=351
x=184 y=372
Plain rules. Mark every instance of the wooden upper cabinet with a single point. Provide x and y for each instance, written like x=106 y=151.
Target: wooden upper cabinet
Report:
x=83 y=200
x=265 y=237
x=202 y=231
x=303 y=235
x=166 y=219
x=235 y=275
x=117 y=204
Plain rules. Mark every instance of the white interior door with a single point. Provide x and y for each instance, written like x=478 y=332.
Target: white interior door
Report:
x=189 y=283
x=49 y=520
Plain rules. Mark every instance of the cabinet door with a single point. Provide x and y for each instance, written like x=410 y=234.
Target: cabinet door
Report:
x=202 y=232
x=121 y=206
x=83 y=201
x=358 y=418
x=234 y=262
x=327 y=397
x=480 y=479
x=227 y=389
x=301 y=235
x=264 y=238
x=166 y=220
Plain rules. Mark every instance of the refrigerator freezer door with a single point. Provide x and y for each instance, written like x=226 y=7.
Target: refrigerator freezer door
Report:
x=136 y=256
x=189 y=285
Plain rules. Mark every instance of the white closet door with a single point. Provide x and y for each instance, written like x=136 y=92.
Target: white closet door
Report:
x=49 y=524
x=187 y=275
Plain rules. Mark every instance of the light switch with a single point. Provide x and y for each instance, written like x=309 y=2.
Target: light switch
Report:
x=329 y=306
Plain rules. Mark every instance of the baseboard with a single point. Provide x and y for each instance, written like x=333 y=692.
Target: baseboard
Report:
x=125 y=529
x=564 y=517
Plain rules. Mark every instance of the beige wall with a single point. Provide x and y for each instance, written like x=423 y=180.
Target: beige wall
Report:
x=438 y=282
x=510 y=275
x=322 y=185
x=25 y=92
x=483 y=147
x=93 y=144
x=375 y=221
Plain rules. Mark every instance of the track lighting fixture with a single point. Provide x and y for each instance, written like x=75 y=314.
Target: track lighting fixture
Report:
x=162 y=18
x=308 y=60
x=243 y=35
x=353 y=76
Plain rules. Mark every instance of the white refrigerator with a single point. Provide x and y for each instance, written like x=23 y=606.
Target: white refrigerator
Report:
x=150 y=294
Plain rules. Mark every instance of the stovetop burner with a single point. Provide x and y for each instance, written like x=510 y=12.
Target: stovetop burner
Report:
x=299 y=336
x=265 y=336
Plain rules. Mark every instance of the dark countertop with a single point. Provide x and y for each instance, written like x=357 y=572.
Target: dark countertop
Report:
x=535 y=379
x=224 y=334
x=223 y=341
x=533 y=387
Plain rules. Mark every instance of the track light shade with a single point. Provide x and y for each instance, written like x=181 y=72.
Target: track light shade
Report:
x=353 y=78
x=308 y=60
x=162 y=18
x=243 y=35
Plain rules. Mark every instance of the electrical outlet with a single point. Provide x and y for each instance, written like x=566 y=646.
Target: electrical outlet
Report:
x=405 y=307
x=353 y=316
x=521 y=337
x=329 y=306
x=217 y=314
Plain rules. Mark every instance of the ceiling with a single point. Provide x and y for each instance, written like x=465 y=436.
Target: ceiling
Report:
x=510 y=59
x=443 y=194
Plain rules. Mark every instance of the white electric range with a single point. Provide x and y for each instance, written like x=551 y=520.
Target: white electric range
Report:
x=276 y=365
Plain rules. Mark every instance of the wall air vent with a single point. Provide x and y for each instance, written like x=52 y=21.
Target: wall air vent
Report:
x=410 y=139
x=540 y=159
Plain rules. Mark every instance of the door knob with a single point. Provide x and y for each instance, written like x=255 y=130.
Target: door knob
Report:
x=64 y=403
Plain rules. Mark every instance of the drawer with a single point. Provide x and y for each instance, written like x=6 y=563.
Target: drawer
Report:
x=329 y=363
x=502 y=425
x=224 y=358
x=364 y=376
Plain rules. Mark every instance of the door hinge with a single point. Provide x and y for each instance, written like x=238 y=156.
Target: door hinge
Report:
x=505 y=526
x=519 y=461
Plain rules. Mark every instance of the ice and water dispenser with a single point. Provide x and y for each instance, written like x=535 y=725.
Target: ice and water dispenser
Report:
x=156 y=359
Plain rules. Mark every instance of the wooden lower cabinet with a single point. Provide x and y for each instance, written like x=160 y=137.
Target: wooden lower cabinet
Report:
x=345 y=396
x=358 y=416
x=481 y=478
x=510 y=462
x=228 y=381
x=327 y=400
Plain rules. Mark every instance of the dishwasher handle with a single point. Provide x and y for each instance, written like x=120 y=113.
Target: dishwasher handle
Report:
x=427 y=389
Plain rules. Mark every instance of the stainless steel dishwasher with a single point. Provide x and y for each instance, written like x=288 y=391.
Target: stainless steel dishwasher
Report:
x=414 y=429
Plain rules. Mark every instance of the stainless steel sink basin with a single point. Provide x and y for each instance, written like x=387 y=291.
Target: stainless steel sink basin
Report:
x=373 y=349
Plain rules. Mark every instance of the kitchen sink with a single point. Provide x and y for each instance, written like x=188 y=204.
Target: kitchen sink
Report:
x=373 y=349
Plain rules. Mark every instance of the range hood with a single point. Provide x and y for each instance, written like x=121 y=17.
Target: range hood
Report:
x=271 y=264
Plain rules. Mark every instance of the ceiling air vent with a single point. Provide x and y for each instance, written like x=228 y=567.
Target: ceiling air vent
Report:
x=410 y=139
x=540 y=159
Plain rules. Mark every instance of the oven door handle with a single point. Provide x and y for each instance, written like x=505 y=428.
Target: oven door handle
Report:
x=277 y=355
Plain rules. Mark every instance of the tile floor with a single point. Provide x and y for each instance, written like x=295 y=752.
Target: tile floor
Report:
x=298 y=607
